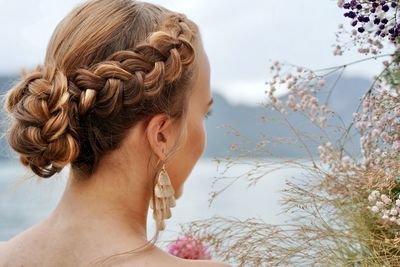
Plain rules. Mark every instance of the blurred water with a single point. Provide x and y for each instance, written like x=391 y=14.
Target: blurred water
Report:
x=25 y=202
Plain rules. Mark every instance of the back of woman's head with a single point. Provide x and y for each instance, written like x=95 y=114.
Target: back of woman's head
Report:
x=109 y=65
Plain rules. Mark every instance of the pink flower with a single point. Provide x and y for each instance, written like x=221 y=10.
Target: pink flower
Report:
x=189 y=248
x=380 y=204
x=329 y=145
x=374 y=196
x=385 y=199
x=393 y=212
x=375 y=209
x=321 y=83
x=396 y=145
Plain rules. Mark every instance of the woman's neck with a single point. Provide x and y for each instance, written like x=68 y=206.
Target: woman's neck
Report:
x=114 y=199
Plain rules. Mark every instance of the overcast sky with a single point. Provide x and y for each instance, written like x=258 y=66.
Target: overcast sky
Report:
x=241 y=37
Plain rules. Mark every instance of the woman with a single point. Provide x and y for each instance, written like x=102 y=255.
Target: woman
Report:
x=121 y=97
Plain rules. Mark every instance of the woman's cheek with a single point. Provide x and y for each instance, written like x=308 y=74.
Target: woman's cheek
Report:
x=200 y=138
x=204 y=137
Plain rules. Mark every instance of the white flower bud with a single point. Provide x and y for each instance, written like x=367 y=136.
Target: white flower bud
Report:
x=380 y=204
x=375 y=209
x=393 y=212
x=385 y=199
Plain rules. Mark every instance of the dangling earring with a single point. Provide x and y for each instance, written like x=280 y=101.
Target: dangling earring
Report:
x=163 y=198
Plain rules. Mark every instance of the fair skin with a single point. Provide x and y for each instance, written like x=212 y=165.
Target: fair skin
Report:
x=107 y=213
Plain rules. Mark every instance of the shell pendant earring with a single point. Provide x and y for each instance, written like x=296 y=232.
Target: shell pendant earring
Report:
x=163 y=199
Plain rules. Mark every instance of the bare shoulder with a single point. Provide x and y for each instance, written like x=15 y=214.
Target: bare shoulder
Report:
x=170 y=260
x=3 y=246
x=213 y=264
x=179 y=262
x=204 y=263
x=160 y=258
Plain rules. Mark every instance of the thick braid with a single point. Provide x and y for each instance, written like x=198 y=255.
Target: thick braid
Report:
x=42 y=132
x=129 y=76
x=57 y=117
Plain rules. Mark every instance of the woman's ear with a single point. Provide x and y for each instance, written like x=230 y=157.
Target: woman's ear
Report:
x=161 y=134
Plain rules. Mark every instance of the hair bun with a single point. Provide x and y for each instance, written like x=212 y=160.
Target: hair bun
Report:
x=42 y=130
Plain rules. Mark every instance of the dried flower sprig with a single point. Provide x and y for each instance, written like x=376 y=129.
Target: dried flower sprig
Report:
x=345 y=210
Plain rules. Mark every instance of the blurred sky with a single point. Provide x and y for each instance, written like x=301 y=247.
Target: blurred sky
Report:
x=242 y=38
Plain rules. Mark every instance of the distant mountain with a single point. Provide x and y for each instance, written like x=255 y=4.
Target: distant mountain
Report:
x=5 y=83
x=247 y=119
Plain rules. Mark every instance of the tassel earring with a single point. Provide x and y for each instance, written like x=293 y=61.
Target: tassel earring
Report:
x=163 y=199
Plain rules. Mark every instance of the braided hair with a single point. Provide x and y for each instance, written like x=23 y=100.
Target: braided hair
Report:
x=109 y=64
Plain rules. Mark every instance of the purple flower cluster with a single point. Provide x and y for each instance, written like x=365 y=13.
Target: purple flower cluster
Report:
x=378 y=15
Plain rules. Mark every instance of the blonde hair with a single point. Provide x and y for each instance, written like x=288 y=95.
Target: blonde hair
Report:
x=109 y=64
